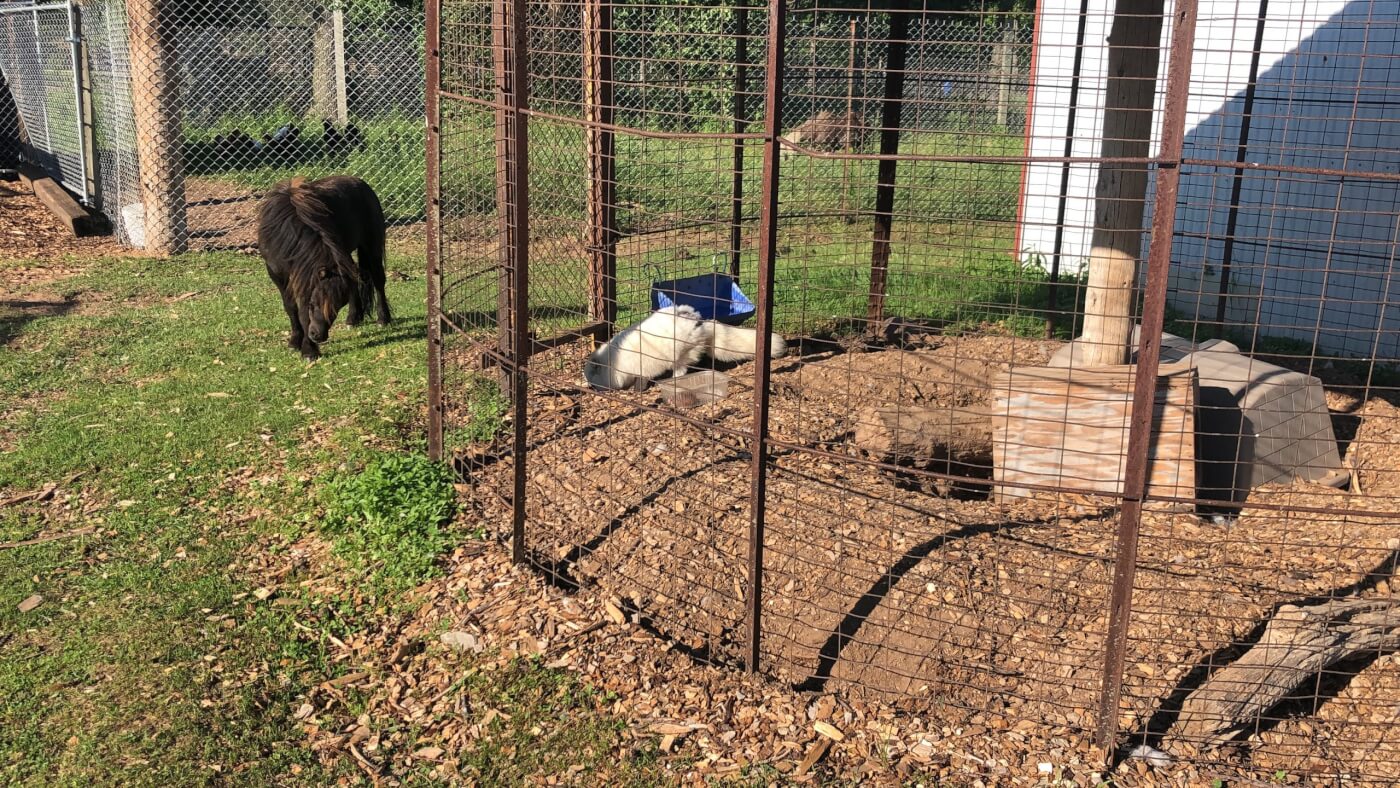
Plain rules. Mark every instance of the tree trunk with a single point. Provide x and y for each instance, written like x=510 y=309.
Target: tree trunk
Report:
x=156 y=110
x=1121 y=195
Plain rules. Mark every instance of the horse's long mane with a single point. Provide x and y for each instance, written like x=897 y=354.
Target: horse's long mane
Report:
x=300 y=229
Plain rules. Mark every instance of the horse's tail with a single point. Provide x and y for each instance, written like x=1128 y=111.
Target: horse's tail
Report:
x=315 y=214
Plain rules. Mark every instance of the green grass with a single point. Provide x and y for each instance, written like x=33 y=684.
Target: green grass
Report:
x=387 y=519
x=555 y=722
x=940 y=274
x=164 y=653
x=183 y=416
x=482 y=411
x=950 y=264
x=657 y=178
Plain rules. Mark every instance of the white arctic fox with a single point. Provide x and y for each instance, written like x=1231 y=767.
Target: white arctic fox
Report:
x=669 y=339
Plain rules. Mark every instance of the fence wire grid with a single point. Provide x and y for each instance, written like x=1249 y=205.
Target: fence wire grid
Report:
x=935 y=498
x=213 y=103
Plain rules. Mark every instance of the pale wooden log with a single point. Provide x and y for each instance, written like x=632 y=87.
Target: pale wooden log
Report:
x=1298 y=643
x=1121 y=193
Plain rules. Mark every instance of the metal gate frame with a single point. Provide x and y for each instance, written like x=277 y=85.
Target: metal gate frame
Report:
x=82 y=111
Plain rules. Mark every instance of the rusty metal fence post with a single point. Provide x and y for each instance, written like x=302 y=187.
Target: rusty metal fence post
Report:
x=433 y=108
x=891 y=111
x=763 y=363
x=741 y=125
x=1141 y=424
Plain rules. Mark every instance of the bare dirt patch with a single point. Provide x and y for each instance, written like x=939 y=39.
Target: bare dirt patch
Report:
x=221 y=215
x=989 y=617
x=30 y=233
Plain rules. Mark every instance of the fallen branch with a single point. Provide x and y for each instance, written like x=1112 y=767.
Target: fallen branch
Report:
x=1298 y=643
x=42 y=494
x=49 y=538
x=573 y=637
x=348 y=678
x=374 y=772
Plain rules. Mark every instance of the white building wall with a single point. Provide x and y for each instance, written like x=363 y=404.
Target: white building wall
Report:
x=1314 y=257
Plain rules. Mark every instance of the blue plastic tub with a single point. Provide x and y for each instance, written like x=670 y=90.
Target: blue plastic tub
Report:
x=714 y=296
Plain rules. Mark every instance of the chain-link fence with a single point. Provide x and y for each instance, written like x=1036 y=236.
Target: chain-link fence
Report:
x=967 y=492
x=196 y=108
x=40 y=61
x=11 y=135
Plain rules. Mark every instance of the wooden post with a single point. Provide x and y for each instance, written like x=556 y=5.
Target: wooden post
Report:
x=322 y=64
x=342 y=97
x=1004 y=61
x=156 y=111
x=598 y=108
x=1121 y=194
x=891 y=114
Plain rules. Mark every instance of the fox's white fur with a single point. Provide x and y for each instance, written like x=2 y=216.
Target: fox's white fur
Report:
x=669 y=340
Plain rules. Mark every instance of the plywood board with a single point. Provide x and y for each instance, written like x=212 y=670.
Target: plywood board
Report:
x=1069 y=428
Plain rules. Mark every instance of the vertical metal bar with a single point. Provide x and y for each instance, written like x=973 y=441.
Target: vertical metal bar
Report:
x=741 y=125
x=763 y=363
x=500 y=57
x=519 y=178
x=848 y=122
x=1141 y=423
x=599 y=111
x=75 y=52
x=432 y=96
x=891 y=112
x=43 y=105
x=88 y=141
x=1227 y=256
x=1063 y=204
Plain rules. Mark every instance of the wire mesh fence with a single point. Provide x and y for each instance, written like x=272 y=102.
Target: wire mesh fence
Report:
x=197 y=108
x=37 y=58
x=11 y=134
x=926 y=494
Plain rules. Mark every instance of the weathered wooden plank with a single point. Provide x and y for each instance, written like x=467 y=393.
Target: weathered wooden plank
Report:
x=79 y=221
x=1069 y=428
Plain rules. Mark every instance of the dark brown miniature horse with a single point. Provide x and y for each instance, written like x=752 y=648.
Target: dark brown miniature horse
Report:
x=307 y=231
